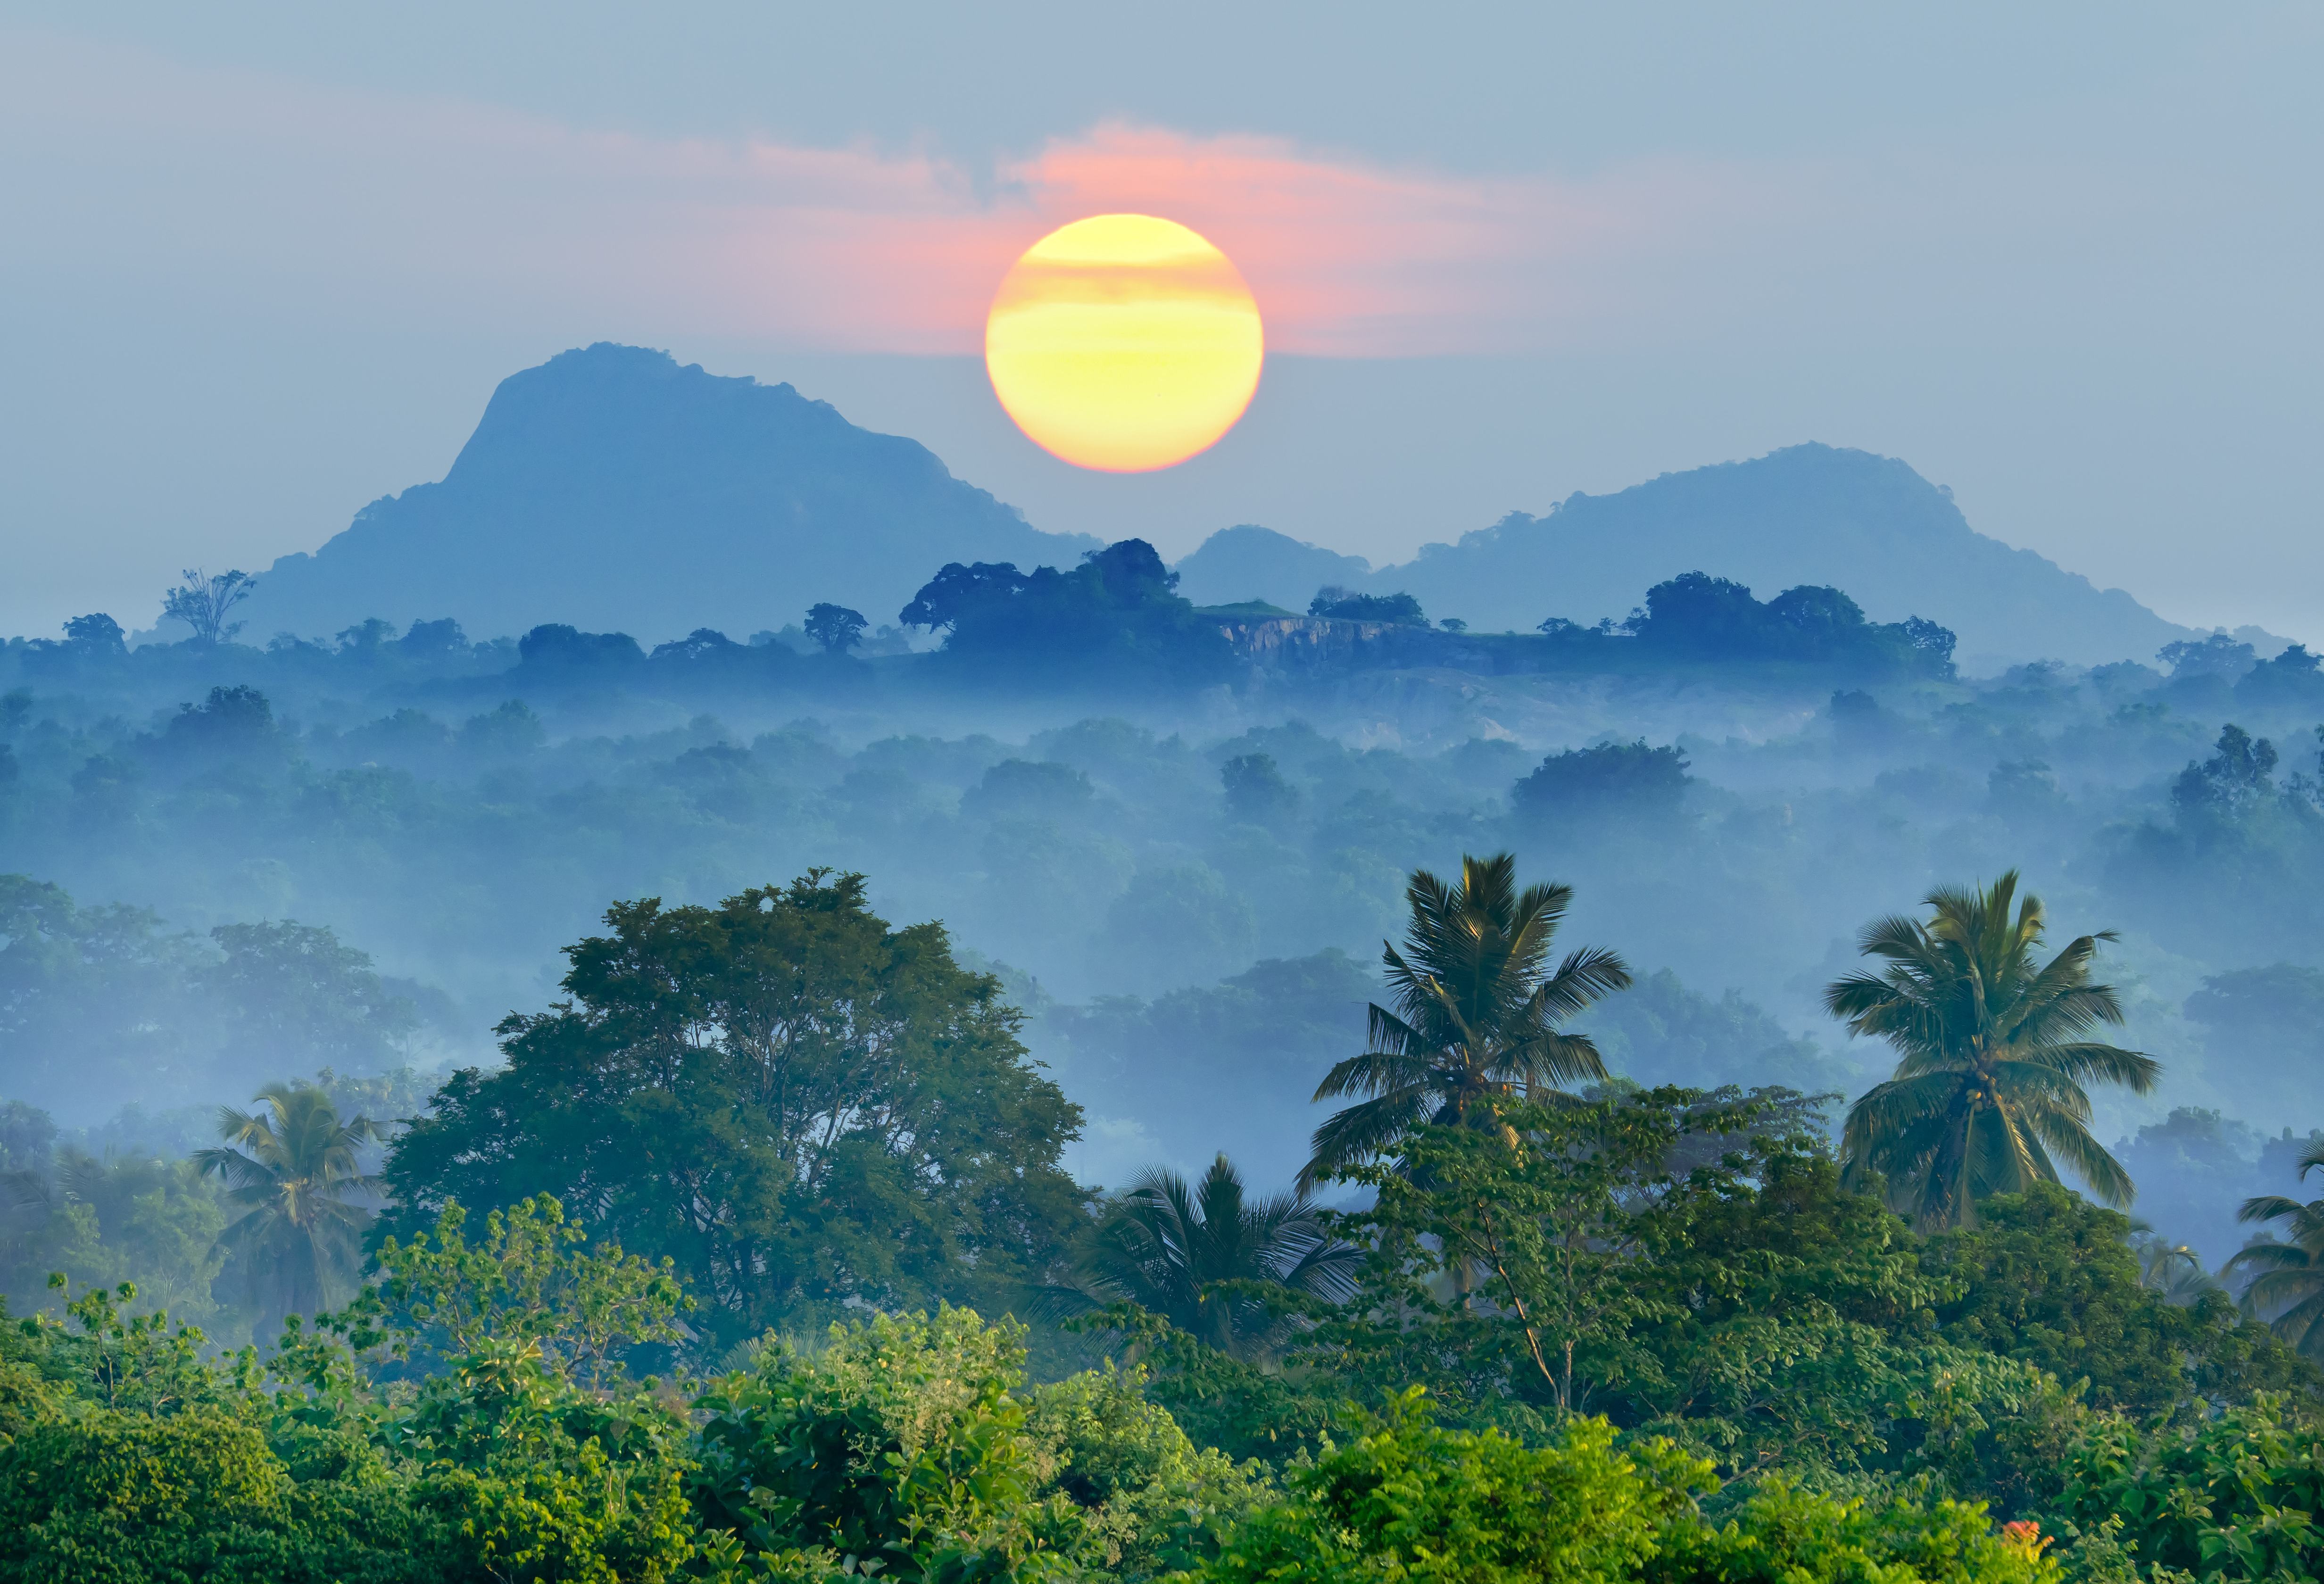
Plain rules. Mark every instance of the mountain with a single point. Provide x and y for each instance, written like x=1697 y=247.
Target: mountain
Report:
x=1811 y=514
x=1235 y=562
x=612 y=488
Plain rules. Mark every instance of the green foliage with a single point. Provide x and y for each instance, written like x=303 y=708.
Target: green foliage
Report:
x=907 y=1447
x=1988 y=1096
x=291 y=1168
x=2052 y=1280
x=122 y=1218
x=799 y=1105
x=1785 y=1535
x=532 y=1283
x=1408 y=1501
x=1476 y=1020
x=2228 y=1497
x=1153 y=1502
x=1203 y=1256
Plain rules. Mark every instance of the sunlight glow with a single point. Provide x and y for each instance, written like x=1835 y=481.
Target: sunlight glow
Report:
x=1124 y=342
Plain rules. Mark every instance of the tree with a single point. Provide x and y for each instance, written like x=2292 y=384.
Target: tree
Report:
x=1475 y=1026
x=835 y=627
x=800 y=1105
x=1989 y=1090
x=292 y=1167
x=1169 y=1245
x=1116 y=617
x=1255 y=788
x=2287 y=1286
x=294 y=996
x=98 y=636
x=1341 y=605
x=203 y=602
x=1608 y=779
x=2239 y=776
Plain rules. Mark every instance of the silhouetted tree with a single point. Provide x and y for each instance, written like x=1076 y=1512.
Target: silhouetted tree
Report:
x=98 y=637
x=835 y=627
x=202 y=603
x=1607 y=778
x=1341 y=605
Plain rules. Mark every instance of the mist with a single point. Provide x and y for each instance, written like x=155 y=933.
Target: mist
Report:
x=1178 y=838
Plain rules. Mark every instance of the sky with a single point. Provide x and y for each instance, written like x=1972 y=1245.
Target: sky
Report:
x=262 y=263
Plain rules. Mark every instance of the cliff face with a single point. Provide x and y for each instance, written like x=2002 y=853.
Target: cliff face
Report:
x=613 y=490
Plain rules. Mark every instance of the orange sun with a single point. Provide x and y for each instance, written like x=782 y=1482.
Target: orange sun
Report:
x=1124 y=342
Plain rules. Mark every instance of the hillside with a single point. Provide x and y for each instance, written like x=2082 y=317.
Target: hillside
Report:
x=610 y=488
x=1809 y=515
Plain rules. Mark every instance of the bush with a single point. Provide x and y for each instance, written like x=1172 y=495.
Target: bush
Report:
x=1406 y=1500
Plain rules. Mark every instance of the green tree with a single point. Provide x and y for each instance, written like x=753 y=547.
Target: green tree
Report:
x=1989 y=1094
x=291 y=1167
x=1194 y=1252
x=2052 y=1280
x=2227 y=1495
x=796 y=1103
x=1508 y=1264
x=1409 y=1501
x=2287 y=1272
x=1475 y=1025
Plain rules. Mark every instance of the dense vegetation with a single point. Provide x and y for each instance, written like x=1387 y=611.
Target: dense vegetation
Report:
x=1569 y=1329
x=1549 y=1264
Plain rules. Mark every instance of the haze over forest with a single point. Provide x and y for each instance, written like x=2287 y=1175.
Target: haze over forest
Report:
x=1172 y=809
x=1068 y=795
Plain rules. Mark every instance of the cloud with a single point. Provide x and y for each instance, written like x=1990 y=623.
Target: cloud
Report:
x=358 y=201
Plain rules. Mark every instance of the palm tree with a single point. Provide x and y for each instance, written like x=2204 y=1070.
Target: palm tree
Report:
x=2173 y=1272
x=1167 y=1242
x=1477 y=1013
x=2288 y=1291
x=291 y=1167
x=1988 y=1096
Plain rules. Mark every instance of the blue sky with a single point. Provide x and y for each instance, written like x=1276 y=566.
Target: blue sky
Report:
x=265 y=262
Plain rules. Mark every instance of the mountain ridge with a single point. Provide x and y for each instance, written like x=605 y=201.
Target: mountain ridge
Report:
x=613 y=488
x=1811 y=513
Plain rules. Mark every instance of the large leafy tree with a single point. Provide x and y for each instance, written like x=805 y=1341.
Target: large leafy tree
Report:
x=1474 y=1027
x=1988 y=1095
x=798 y=1104
x=293 y=1167
x=1200 y=1254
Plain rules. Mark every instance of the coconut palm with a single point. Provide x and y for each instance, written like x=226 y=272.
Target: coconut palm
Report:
x=1168 y=1243
x=2287 y=1287
x=1475 y=1024
x=1988 y=1096
x=292 y=1166
x=2173 y=1272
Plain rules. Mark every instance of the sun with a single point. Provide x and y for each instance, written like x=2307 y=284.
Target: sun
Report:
x=1124 y=342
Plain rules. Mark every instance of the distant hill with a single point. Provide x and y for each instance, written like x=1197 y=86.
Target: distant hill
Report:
x=1235 y=564
x=612 y=488
x=1811 y=514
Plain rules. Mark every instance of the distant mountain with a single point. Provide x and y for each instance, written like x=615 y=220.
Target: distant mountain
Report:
x=1234 y=563
x=612 y=488
x=1811 y=514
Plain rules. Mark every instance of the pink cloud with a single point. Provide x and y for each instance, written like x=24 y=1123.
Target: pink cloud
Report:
x=370 y=202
